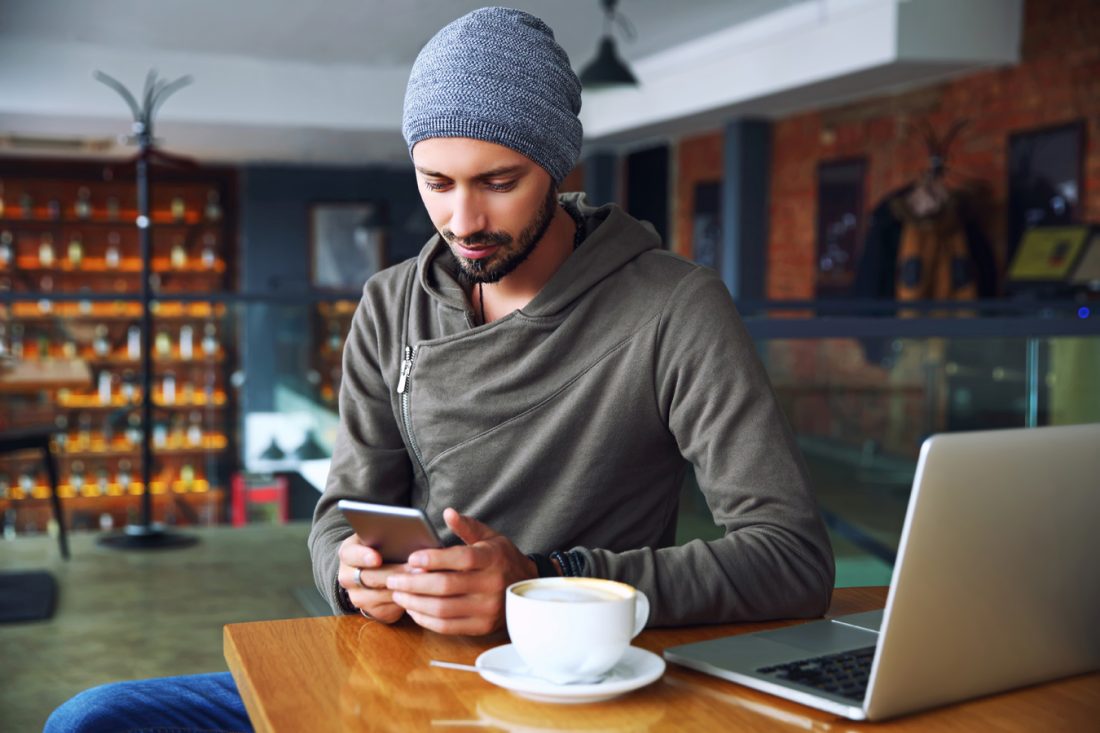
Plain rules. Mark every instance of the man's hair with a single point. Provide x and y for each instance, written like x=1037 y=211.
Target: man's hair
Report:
x=497 y=75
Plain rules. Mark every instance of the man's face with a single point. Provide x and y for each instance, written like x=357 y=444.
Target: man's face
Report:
x=490 y=204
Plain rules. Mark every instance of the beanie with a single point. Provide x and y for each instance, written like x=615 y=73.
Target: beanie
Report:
x=497 y=75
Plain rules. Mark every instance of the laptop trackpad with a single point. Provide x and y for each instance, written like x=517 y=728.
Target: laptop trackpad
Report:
x=822 y=637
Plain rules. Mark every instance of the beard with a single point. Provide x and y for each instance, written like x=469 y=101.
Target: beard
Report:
x=512 y=252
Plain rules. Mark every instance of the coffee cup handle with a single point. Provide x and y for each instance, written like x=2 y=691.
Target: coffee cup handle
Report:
x=641 y=612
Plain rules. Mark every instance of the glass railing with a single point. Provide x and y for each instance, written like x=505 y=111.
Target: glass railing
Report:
x=245 y=386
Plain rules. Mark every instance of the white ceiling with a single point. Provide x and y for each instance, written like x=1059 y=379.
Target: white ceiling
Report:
x=322 y=82
x=359 y=32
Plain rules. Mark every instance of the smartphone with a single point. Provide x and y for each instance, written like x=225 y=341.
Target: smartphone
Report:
x=394 y=531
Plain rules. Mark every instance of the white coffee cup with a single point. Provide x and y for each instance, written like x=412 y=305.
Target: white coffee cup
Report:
x=573 y=629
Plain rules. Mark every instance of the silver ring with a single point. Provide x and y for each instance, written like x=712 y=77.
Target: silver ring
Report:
x=358 y=579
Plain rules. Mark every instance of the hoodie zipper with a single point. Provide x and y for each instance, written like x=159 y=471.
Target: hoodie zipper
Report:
x=403 y=390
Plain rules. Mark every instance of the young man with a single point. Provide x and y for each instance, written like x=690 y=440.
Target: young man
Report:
x=539 y=381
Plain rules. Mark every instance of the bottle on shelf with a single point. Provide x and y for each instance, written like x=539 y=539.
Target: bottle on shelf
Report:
x=210 y=340
x=128 y=387
x=45 y=250
x=111 y=257
x=102 y=481
x=76 y=476
x=101 y=346
x=43 y=343
x=168 y=388
x=68 y=348
x=186 y=341
x=76 y=251
x=133 y=429
x=188 y=393
x=84 y=431
x=133 y=342
x=187 y=476
x=162 y=344
x=178 y=255
x=53 y=209
x=26 y=205
x=209 y=255
x=194 y=429
x=124 y=476
x=83 y=206
x=61 y=437
x=105 y=387
x=7 y=248
x=179 y=208
x=112 y=208
x=213 y=210
x=160 y=435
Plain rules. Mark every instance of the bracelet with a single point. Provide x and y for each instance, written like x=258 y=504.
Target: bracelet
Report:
x=572 y=563
x=543 y=565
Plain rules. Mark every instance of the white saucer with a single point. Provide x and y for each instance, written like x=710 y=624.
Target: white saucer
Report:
x=637 y=668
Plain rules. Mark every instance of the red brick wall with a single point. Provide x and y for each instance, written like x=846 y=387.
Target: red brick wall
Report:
x=1057 y=81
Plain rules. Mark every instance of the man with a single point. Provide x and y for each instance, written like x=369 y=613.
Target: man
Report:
x=539 y=381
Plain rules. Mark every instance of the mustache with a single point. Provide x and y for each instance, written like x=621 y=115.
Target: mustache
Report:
x=478 y=239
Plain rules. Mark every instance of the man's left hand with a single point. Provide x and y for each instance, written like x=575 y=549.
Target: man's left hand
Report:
x=469 y=597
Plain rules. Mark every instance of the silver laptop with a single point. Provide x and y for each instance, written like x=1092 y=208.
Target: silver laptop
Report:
x=995 y=587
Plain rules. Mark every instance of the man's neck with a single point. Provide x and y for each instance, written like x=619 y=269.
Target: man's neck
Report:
x=520 y=286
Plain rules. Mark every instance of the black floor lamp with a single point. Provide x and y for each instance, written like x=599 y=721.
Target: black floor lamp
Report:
x=147 y=535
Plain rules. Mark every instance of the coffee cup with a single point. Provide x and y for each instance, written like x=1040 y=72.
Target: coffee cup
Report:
x=570 y=630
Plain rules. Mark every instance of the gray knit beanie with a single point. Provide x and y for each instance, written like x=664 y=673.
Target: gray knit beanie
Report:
x=497 y=75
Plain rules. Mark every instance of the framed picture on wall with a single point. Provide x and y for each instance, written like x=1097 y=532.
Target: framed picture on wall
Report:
x=347 y=244
x=1045 y=175
x=839 y=224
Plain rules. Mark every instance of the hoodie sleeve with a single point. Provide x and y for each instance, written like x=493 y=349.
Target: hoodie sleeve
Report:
x=775 y=560
x=369 y=460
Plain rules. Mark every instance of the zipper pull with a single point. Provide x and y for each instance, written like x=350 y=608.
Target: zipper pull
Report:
x=406 y=367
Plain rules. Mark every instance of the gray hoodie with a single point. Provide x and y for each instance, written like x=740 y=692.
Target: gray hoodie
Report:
x=570 y=424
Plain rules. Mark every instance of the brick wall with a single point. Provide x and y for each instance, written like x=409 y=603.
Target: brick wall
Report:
x=1057 y=81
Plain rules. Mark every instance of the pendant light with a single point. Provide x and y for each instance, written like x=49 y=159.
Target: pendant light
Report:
x=608 y=69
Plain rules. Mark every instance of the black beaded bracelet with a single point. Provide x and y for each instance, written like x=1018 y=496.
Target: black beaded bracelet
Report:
x=543 y=565
x=570 y=567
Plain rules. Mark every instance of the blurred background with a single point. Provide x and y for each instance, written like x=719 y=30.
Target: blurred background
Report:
x=901 y=195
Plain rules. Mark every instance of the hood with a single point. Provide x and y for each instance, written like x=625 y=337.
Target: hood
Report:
x=613 y=239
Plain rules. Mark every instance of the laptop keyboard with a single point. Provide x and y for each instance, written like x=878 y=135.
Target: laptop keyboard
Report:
x=843 y=674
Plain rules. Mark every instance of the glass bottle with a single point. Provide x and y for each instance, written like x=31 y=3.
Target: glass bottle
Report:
x=179 y=208
x=101 y=347
x=194 y=429
x=84 y=430
x=210 y=340
x=168 y=388
x=76 y=251
x=68 y=349
x=112 y=208
x=102 y=482
x=128 y=388
x=76 y=476
x=213 y=209
x=104 y=387
x=124 y=476
x=17 y=340
x=26 y=205
x=7 y=248
x=45 y=250
x=186 y=341
x=160 y=435
x=187 y=476
x=163 y=344
x=209 y=251
x=83 y=206
x=133 y=430
x=133 y=342
x=178 y=255
x=53 y=208
x=111 y=257
x=61 y=437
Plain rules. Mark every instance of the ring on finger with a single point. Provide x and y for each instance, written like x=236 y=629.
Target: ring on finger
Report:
x=359 y=578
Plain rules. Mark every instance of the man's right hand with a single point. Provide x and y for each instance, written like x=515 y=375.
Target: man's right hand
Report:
x=373 y=598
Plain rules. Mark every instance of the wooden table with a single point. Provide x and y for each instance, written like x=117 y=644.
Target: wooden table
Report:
x=349 y=674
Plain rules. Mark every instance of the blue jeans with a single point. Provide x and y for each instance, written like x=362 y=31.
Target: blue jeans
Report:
x=201 y=703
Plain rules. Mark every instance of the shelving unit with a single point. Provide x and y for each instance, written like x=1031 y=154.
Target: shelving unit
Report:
x=69 y=241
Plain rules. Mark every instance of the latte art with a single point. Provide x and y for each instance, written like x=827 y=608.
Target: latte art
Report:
x=568 y=595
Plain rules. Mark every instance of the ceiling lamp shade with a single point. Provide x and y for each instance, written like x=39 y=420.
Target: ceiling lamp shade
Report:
x=608 y=69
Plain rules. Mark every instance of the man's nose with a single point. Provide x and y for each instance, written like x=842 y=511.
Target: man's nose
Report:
x=467 y=217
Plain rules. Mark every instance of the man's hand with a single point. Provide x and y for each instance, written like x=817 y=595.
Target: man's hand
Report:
x=373 y=598
x=469 y=599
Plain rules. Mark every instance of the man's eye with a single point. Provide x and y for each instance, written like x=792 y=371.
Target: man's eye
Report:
x=434 y=185
x=501 y=187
